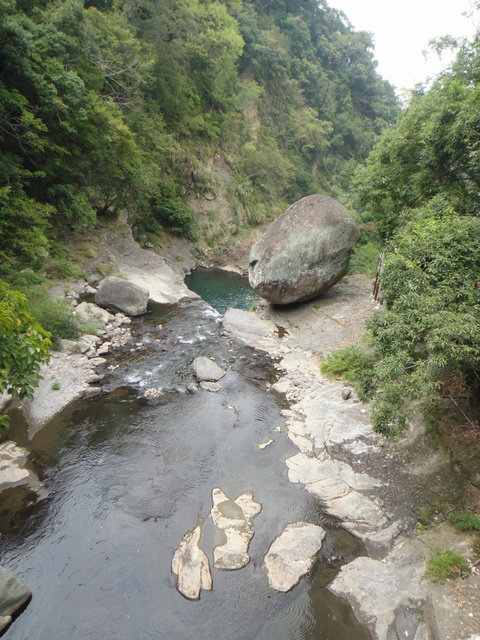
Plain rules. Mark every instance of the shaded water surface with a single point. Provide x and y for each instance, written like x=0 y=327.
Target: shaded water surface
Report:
x=222 y=289
x=127 y=479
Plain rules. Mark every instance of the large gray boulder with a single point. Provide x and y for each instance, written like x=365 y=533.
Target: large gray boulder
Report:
x=13 y=594
x=303 y=252
x=123 y=295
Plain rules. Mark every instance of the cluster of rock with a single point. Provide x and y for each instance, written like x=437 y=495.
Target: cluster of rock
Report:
x=110 y=330
x=207 y=373
x=74 y=370
x=290 y=556
x=15 y=474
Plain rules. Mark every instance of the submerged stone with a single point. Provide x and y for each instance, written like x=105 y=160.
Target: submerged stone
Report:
x=213 y=387
x=190 y=566
x=292 y=555
x=234 y=518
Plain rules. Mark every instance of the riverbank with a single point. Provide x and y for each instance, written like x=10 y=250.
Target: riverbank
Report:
x=374 y=486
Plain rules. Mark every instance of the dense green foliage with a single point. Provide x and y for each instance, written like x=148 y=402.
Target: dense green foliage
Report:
x=24 y=345
x=110 y=104
x=433 y=152
x=421 y=187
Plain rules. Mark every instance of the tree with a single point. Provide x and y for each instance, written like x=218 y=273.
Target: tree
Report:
x=434 y=151
x=430 y=330
x=421 y=187
x=24 y=346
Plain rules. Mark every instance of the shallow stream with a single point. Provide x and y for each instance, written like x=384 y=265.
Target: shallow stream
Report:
x=128 y=478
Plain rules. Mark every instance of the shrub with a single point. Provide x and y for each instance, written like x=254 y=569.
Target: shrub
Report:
x=355 y=364
x=429 y=328
x=168 y=210
x=24 y=345
x=55 y=316
x=464 y=521
x=365 y=254
x=446 y=565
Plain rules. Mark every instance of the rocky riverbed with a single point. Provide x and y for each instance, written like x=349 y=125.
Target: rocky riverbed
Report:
x=375 y=487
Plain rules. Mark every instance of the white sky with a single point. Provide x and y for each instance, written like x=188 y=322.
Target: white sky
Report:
x=402 y=30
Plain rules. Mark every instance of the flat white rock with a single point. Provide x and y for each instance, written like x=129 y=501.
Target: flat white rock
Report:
x=292 y=555
x=234 y=519
x=191 y=567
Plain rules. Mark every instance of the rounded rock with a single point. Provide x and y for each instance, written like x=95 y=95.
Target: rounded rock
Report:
x=303 y=252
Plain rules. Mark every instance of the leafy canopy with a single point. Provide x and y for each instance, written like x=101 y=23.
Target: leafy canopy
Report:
x=421 y=187
x=24 y=346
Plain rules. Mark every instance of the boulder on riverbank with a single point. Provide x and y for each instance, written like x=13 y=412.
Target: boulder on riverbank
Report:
x=123 y=295
x=303 y=252
x=14 y=472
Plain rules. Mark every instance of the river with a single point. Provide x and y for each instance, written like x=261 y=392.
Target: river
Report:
x=128 y=478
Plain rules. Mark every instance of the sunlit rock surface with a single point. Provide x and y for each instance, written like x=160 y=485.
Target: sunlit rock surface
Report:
x=14 y=471
x=234 y=519
x=377 y=589
x=292 y=554
x=190 y=566
x=207 y=370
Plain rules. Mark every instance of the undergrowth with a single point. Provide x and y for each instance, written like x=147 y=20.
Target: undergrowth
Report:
x=464 y=521
x=446 y=565
x=55 y=315
x=354 y=364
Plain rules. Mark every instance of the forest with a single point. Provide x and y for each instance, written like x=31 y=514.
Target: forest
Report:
x=113 y=105
x=108 y=104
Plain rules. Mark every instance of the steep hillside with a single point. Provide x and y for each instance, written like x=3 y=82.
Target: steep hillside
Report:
x=160 y=107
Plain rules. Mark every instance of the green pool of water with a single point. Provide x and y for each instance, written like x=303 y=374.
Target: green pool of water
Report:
x=222 y=289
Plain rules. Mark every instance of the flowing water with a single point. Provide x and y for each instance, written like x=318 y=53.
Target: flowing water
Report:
x=128 y=478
